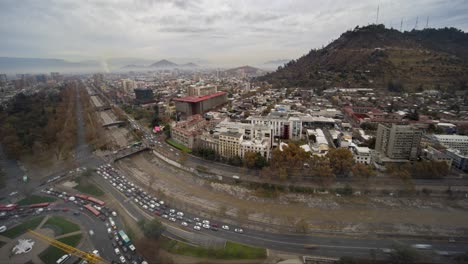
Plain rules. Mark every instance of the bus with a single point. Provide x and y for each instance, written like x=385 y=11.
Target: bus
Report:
x=63 y=259
x=124 y=237
x=92 y=209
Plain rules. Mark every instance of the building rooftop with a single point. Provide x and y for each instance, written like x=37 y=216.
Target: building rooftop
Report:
x=196 y=99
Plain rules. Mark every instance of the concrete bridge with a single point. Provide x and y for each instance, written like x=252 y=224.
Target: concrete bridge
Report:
x=126 y=152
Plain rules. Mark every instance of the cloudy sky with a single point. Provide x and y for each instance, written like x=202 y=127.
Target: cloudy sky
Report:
x=222 y=32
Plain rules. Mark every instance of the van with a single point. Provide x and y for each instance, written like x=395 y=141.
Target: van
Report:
x=63 y=258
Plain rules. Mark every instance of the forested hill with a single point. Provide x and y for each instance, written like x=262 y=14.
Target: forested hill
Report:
x=374 y=56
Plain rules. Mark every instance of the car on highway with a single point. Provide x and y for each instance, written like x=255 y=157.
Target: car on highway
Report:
x=387 y=250
x=421 y=246
x=197 y=227
x=225 y=227
x=239 y=230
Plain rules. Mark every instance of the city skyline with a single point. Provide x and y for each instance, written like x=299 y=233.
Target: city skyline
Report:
x=225 y=33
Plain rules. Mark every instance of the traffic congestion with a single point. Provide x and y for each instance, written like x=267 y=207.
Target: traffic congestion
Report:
x=158 y=207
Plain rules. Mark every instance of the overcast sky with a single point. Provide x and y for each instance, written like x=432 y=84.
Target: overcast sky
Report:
x=227 y=32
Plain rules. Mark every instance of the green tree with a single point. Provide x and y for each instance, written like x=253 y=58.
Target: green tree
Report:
x=403 y=255
x=341 y=161
x=347 y=260
x=152 y=229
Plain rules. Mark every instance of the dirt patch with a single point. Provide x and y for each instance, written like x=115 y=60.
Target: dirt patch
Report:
x=70 y=184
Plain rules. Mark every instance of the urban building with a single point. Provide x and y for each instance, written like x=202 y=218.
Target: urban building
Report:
x=143 y=95
x=459 y=160
x=194 y=90
x=128 y=85
x=3 y=79
x=186 y=132
x=398 y=142
x=457 y=142
x=192 y=105
x=230 y=139
x=361 y=154
x=98 y=79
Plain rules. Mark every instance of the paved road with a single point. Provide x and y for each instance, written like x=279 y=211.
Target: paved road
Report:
x=331 y=246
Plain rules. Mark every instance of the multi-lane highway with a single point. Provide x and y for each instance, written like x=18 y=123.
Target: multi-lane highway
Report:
x=333 y=246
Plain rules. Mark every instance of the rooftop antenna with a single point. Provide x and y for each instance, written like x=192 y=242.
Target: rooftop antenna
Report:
x=416 y=25
x=427 y=22
x=377 y=19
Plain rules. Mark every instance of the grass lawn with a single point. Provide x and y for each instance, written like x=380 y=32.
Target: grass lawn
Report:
x=231 y=251
x=33 y=199
x=23 y=227
x=178 y=146
x=88 y=188
x=61 y=225
x=51 y=254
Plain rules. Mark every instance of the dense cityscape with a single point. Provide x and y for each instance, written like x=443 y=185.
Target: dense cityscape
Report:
x=355 y=152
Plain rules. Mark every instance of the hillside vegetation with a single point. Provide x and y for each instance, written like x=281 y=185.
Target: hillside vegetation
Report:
x=374 y=56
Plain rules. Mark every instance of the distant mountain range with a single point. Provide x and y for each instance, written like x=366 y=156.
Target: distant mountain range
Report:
x=378 y=57
x=162 y=64
x=277 y=62
x=34 y=65
x=247 y=70
x=13 y=65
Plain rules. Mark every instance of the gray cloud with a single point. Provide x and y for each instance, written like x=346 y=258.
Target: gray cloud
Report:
x=222 y=31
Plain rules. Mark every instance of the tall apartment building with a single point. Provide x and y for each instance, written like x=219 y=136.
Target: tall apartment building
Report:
x=3 y=79
x=457 y=142
x=128 y=85
x=201 y=90
x=398 y=142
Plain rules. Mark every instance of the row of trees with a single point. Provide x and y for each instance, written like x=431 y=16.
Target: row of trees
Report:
x=39 y=122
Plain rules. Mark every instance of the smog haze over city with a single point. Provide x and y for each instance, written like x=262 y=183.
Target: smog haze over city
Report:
x=227 y=33
x=279 y=131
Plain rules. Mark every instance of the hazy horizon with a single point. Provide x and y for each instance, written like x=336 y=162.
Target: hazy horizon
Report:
x=225 y=33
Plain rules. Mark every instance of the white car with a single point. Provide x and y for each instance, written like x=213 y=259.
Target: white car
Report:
x=184 y=224
x=145 y=207
x=206 y=226
x=91 y=232
x=164 y=216
x=180 y=214
x=239 y=230
x=197 y=227
x=206 y=222
x=225 y=227
x=172 y=211
x=109 y=230
x=198 y=224
x=172 y=219
x=96 y=252
x=117 y=251
x=122 y=259
x=114 y=213
x=3 y=229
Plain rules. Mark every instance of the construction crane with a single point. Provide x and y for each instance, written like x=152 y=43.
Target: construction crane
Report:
x=89 y=257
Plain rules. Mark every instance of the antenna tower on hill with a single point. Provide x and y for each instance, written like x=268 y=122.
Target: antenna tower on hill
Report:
x=377 y=19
